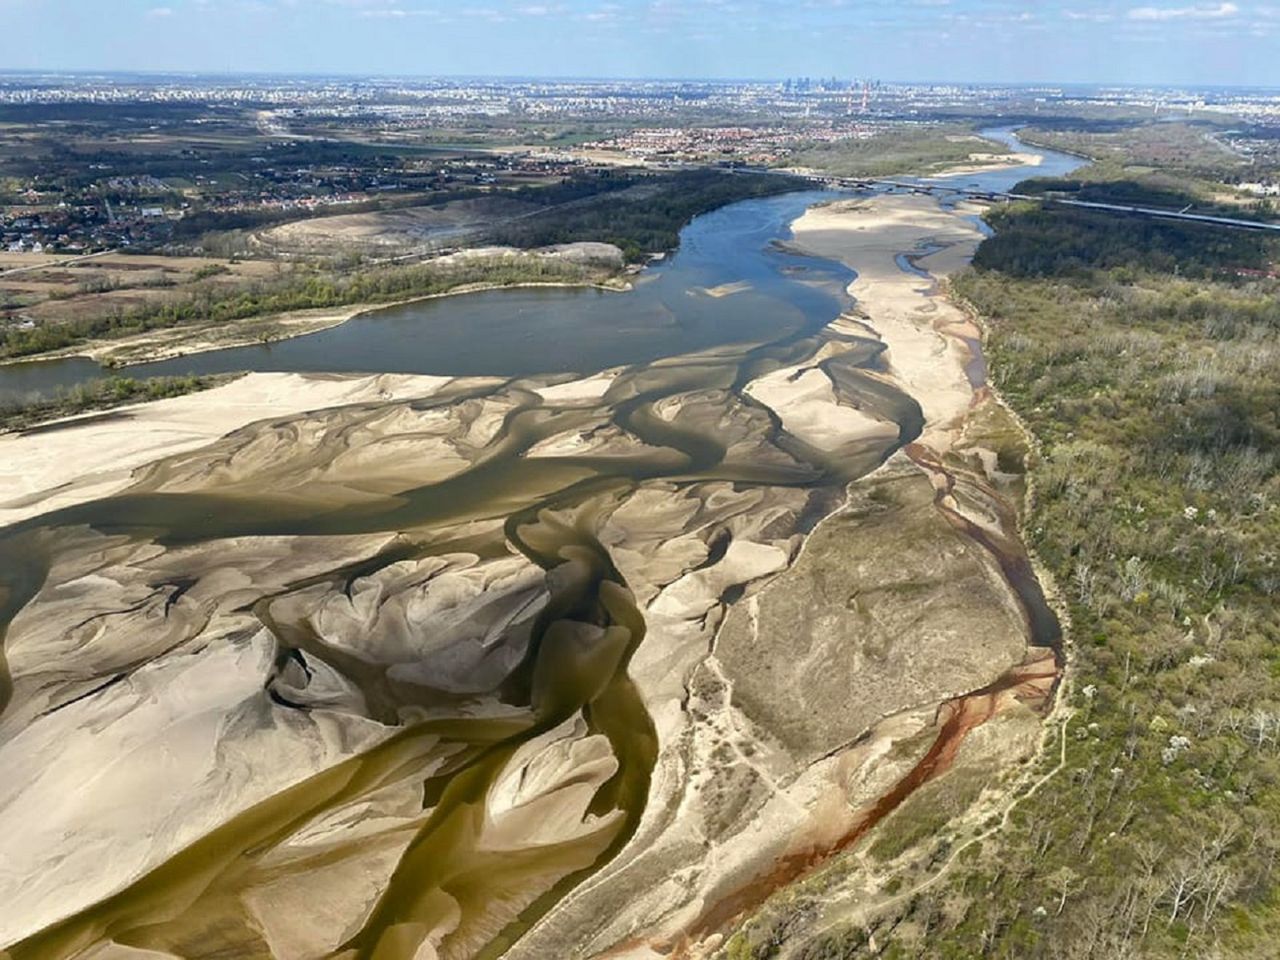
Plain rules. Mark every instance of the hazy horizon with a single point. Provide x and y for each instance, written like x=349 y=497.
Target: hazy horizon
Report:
x=372 y=75
x=1084 y=42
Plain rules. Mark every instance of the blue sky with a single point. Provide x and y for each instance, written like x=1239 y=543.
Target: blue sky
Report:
x=1147 y=41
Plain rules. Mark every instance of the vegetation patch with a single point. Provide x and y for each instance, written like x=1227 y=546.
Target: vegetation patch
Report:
x=903 y=148
x=300 y=289
x=646 y=223
x=100 y=395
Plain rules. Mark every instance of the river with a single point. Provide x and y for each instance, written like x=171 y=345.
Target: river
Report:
x=524 y=331
x=237 y=534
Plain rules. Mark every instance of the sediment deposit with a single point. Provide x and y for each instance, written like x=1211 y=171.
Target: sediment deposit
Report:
x=556 y=666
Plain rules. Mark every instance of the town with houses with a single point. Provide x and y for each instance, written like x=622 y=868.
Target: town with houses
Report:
x=253 y=150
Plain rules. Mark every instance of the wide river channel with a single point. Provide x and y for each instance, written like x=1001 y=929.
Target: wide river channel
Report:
x=672 y=310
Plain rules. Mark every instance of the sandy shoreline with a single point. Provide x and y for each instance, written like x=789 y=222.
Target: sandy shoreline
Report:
x=978 y=162
x=988 y=163
x=924 y=332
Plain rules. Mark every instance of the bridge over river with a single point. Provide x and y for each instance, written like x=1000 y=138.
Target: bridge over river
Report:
x=989 y=196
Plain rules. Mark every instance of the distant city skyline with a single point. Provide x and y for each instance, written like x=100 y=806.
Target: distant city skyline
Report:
x=960 y=41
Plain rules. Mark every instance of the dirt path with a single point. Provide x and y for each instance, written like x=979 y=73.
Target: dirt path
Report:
x=931 y=881
x=53 y=265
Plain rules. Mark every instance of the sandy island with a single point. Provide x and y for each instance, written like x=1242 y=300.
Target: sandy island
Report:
x=989 y=162
x=925 y=333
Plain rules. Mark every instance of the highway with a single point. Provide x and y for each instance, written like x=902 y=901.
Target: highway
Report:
x=1161 y=214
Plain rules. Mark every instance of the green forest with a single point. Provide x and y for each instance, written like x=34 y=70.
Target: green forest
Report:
x=645 y=221
x=1055 y=241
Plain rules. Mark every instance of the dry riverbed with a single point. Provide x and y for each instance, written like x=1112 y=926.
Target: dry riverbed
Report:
x=552 y=666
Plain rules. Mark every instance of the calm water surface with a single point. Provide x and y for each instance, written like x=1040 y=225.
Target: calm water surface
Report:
x=672 y=310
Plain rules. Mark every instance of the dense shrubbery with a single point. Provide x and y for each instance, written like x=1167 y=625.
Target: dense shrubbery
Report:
x=1032 y=241
x=1158 y=512
x=643 y=224
x=97 y=395
x=1133 y=192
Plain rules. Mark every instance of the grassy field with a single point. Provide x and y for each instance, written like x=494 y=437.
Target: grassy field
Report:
x=62 y=289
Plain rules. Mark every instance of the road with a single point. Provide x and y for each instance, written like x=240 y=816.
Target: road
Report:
x=54 y=264
x=1160 y=214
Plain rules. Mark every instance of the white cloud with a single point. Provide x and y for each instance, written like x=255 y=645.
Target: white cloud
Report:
x=1091 y=16
x=1215 y=12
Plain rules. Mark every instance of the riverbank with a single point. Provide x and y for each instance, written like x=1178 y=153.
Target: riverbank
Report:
x=974 y=164
x=905 y=573
x=94 y=455
x=930 y=342
x=988 y=163
x=957 y=756
x=175 y=342
x=97 y=396
x=170 y=342
x=683 y=548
